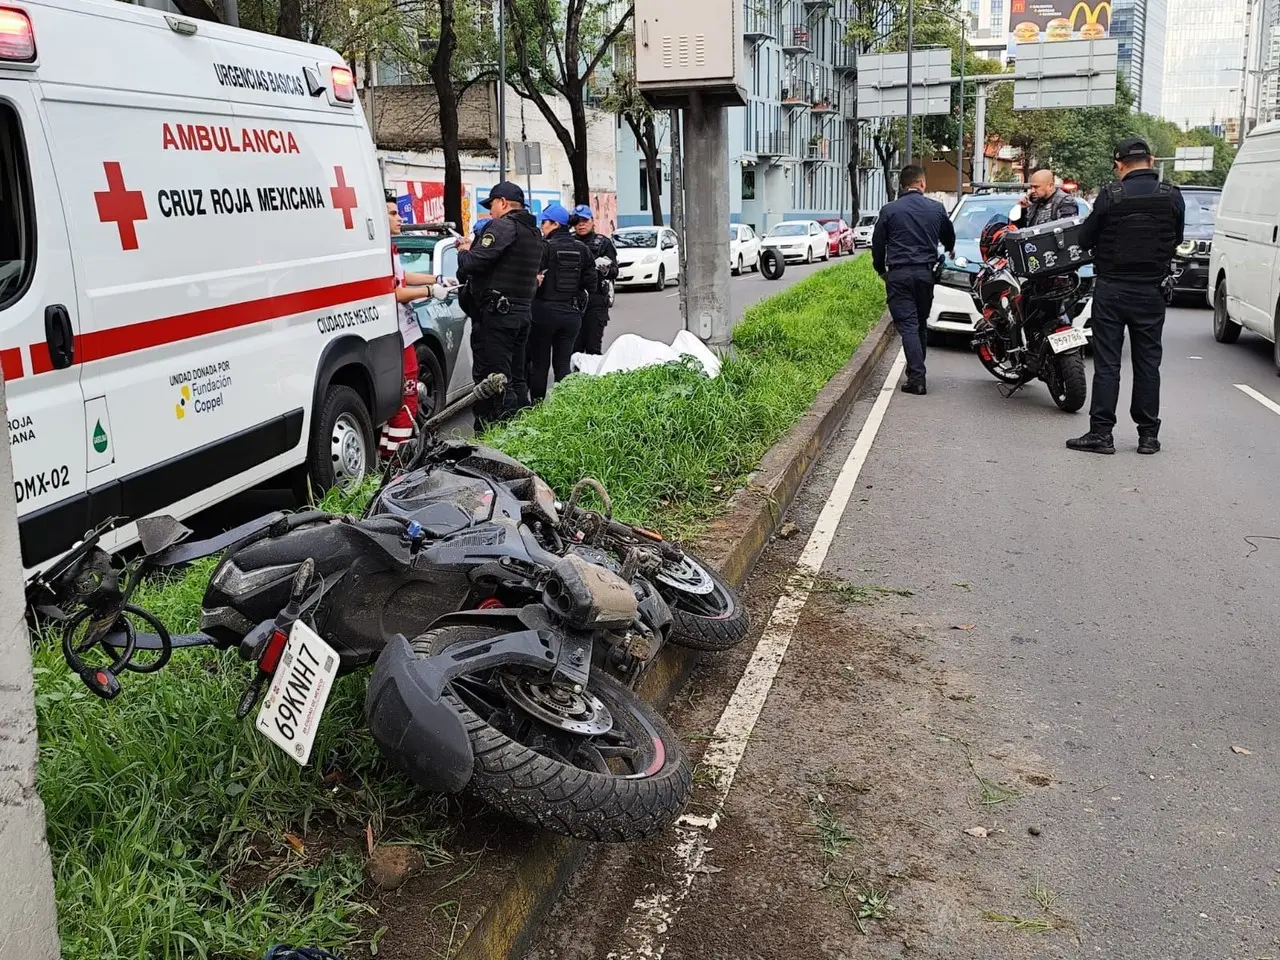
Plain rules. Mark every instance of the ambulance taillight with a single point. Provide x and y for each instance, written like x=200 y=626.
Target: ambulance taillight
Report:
x=343 y=84
x=17 y=39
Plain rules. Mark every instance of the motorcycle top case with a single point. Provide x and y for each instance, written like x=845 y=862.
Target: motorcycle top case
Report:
x=1048 y=249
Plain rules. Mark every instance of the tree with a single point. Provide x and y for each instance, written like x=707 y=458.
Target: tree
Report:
x=625 y=99
x=558 y=45
x=289 y=19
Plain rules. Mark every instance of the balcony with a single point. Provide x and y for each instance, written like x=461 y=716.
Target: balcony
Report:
x=825 y=103
x=817 y=150
x=797 y=97
x=773 y=144
x=814 y=6
x=760 y=21
x=845 y=60
x=795 y=41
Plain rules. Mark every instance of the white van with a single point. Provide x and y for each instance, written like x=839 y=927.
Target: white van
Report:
x=195 y=272
x=1244 y=290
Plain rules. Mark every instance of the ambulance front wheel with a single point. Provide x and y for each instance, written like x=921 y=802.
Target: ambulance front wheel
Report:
x=344 y=444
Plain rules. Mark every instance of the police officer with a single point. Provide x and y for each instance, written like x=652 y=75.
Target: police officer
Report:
x=569 y=276
x=904 y=251
x=1133 y=229
x=596 y=317
x=501 y=268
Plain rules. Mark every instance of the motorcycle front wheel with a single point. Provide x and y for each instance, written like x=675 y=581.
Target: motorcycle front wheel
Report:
x=599 y=764
x=706 y=614
x=1068 y=382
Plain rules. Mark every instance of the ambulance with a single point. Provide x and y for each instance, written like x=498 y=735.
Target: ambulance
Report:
x=196 y=289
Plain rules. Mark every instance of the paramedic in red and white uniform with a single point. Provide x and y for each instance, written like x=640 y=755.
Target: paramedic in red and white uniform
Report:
x=409 y=287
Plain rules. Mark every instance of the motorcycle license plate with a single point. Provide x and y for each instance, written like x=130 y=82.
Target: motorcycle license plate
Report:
x=1067 y=340
x=290 y=714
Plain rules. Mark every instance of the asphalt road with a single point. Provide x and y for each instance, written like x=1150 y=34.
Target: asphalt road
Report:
x=645 y=312
x=1072 y=657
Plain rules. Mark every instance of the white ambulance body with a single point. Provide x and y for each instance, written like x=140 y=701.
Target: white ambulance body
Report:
x=195 y=273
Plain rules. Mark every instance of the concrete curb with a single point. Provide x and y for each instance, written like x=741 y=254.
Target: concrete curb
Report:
x=734 y=544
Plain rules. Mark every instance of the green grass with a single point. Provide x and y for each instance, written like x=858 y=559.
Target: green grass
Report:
x=167 y=817
x=671 y=445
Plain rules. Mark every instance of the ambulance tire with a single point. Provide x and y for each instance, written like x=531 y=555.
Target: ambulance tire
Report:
x=344 y=443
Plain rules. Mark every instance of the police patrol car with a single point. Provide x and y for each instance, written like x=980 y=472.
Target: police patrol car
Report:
x=195 y=274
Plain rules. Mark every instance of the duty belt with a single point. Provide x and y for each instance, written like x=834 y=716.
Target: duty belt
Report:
x=497 y=302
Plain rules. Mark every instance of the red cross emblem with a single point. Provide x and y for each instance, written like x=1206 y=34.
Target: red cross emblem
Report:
x=120 y=206
x=344 y=197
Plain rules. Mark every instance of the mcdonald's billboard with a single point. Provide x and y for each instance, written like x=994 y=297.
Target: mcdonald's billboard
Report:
x=1033 y=21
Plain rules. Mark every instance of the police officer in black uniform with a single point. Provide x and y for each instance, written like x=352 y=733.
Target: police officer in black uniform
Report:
x=904 y=250
x=596 y=317
x=569 y=276
x=1133 y=229
x=501 y=269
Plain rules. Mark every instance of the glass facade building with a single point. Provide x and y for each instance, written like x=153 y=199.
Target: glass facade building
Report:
x=1138 y=26
x=1204 y=61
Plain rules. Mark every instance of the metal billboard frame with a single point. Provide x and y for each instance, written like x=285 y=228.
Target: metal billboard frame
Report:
x=882 y=83
x=1193 y=159
x=1065 y=73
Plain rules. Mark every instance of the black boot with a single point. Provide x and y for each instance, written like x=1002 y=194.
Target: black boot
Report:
x=1093 y=443
x=1148 y=443
x=914 y=388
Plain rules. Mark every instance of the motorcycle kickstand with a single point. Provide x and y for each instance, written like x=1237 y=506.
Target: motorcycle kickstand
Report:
x=1008 y=391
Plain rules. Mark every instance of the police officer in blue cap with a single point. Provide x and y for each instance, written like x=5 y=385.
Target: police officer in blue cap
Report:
x=596 y=317
x=569 y=276
x=501 y=266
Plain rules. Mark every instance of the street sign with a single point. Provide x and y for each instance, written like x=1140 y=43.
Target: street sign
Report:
x=1193 y=159
x=528 y=159
x=1067 y=73
x=882 y=83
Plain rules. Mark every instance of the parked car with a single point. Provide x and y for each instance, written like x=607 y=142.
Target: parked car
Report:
x=1191 y=259
x=862 y=232
x=1243 y=258
x=839 y=237
x=953 y=310
x=444 y=352
x=647 y=256
x=744 y=248
x=799 y=240
x=164 y=346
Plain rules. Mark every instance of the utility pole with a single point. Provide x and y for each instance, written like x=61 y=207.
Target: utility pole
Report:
x=28 y=924
x=677 y=213
x=979 y=173
x=1244 y=71
x=911 y=39
x=502 y=90
x=706 y=283
x=230 y=13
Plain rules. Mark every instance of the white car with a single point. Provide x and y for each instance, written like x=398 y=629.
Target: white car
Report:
x=744 y=249
x=862 y=232
x=799 y=240
x=647 y=256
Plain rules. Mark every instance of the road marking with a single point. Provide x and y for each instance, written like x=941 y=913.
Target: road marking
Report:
x=654 y=912
x=1266 y=401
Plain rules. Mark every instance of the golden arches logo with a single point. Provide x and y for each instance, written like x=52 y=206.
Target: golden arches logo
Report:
x=1091 y=17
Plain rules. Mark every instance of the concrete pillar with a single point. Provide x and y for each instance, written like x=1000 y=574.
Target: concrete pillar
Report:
x=28 y=925
x=706 y=167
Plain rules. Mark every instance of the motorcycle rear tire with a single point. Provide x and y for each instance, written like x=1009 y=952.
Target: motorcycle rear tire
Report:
x=545 y=791
x=713 y=621
x=1072 y=386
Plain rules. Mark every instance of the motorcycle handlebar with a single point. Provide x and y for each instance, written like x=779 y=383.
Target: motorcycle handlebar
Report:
x=491 y=386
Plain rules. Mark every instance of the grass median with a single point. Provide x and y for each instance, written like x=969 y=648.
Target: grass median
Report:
x=177 y=832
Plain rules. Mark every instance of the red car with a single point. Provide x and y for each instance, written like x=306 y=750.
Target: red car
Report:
x=839 y=237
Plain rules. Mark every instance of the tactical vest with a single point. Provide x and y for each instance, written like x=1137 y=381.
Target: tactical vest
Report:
x=515 y=276
x=1139 y=236
x=562 y=279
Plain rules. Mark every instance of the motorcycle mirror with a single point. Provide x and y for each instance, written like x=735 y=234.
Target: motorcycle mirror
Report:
x=1015 y=213
x=160 y=533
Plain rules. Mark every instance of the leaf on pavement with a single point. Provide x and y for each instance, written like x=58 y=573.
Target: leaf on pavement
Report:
x=976 y=831
x=1242 y=751
x=965 y=626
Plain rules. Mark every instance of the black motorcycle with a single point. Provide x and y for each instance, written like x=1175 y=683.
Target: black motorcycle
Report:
x=1025 y=332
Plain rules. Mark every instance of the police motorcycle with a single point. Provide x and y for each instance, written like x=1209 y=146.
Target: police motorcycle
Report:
x=504 y=659
x=1027 y=291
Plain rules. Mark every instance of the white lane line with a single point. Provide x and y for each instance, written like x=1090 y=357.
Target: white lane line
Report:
x=1266 y=401
x=654 y=912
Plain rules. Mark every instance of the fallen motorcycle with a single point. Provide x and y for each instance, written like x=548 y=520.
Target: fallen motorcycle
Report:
x=527 y=639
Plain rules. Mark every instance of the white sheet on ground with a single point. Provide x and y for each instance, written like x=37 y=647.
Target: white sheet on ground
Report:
x=631 y=352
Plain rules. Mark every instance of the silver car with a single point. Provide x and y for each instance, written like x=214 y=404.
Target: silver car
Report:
x=444 y=352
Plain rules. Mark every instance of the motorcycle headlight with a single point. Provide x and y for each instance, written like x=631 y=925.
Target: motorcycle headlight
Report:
x=1186 y=248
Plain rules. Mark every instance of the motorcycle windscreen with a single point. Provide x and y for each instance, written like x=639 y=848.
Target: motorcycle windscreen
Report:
x=443 y=502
